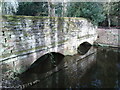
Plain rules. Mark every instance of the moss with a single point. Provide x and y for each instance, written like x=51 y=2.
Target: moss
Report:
x=62 y=41
x=54 y=29
x=70 y=22
x=39 y=17
x=89 y=35
x=11 y=18
x=5 y=55
x=20 y=52
x=60 y=24
x=26 y=34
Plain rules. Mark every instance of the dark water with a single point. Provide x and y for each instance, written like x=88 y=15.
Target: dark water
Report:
x=105 y=73
x=99 y=69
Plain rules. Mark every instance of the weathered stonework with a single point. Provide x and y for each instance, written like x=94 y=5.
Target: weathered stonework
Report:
x=108 y=37
x=25 y=38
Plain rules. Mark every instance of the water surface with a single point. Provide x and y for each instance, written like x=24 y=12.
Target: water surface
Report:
x=100 y=69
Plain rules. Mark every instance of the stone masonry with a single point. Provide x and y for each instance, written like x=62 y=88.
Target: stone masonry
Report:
x=108 y=37
x=24 y=39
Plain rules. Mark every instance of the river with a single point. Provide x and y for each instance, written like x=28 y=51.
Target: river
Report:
x=100 y=69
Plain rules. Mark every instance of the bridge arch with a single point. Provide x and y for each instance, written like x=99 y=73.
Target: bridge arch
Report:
x=83 y=48
x=46 y=62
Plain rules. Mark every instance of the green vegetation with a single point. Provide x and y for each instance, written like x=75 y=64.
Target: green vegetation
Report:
x=99 y=13
x=90 y=10
x=112 y=13
x=32 y=8
x=39 y=9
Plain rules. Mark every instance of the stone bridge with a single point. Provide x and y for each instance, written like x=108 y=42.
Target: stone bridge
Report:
x=24 y=39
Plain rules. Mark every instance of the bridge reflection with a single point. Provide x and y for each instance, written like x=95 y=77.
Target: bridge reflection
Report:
x=46 y=63
x=65 y=68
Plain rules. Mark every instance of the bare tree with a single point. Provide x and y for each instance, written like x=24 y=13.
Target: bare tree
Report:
x=51 y=8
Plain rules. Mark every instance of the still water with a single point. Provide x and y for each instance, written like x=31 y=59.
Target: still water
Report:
x=100 y=69
x=105 y=73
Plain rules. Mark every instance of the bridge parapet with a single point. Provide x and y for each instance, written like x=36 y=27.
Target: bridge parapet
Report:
x=26 y=38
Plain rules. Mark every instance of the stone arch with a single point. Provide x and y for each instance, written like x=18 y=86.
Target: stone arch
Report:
x=83 y=48
x=46 y=62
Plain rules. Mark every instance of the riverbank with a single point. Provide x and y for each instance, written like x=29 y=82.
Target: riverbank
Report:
x=108 y=37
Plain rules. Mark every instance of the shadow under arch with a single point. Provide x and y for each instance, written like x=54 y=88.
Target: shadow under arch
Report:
x=46 y=62
x=83 y=48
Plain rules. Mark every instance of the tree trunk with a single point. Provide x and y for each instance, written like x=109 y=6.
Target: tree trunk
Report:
x=51 y=9
x=48 y=8
x=108 y=14
x=109 y=22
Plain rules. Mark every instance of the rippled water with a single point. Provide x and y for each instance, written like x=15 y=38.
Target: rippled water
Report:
x=98 y=70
